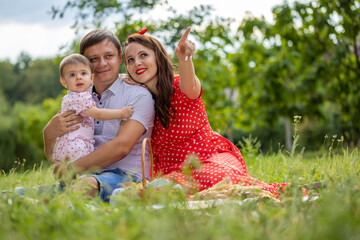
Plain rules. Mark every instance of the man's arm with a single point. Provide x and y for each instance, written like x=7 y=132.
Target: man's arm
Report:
x=111 y=152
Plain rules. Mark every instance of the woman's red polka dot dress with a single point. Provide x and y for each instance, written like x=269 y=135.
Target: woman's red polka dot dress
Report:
x=190 y=133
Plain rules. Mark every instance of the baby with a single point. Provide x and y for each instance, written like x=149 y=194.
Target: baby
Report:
x=76 y=75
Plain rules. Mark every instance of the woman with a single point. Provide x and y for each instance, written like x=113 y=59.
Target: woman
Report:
x=181 y=125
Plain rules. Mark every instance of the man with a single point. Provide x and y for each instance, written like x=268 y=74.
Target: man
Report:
x=118 y=146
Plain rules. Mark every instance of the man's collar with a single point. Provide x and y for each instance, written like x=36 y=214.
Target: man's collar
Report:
x=113 y=89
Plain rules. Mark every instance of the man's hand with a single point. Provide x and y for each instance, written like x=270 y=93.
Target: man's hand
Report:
x=65 y=122
x=63 y=171
x=60 y=169
x=60 y=124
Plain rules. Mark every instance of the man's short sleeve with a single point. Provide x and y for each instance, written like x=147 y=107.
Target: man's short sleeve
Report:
x=143 y=106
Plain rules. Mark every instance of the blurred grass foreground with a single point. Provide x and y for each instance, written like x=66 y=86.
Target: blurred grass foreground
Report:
x=335 y=214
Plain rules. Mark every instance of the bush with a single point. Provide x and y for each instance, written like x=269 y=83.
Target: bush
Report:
x=21 y=141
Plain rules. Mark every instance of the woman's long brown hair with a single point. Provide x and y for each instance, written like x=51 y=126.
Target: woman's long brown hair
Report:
x=165 y=74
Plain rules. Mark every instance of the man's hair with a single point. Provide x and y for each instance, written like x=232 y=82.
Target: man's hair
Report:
x=74 y=58
x=97 y=36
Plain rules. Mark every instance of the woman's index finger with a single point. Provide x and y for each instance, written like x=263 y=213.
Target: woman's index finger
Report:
x=185 y=35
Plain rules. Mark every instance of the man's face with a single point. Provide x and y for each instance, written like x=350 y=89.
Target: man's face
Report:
x=106 y=62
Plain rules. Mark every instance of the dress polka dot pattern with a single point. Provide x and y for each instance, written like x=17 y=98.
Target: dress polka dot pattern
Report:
x=190 y=134
x=79 y=143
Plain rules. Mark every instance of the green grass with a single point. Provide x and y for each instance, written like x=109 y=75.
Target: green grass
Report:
x=335 y=215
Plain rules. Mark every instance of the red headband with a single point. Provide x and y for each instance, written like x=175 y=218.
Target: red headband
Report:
x=141 y=32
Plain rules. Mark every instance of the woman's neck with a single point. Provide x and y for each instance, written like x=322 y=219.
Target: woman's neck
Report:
x=152 y=87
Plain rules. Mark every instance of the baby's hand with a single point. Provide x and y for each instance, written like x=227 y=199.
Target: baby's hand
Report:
x=127 y=111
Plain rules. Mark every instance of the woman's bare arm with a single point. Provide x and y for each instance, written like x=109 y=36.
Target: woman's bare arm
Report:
x=189 y=83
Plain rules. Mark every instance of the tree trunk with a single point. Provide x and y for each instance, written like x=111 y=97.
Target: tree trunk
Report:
x=229 y=132
x=288 y=141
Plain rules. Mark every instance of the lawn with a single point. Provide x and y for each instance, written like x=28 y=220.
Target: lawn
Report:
x=68 y=215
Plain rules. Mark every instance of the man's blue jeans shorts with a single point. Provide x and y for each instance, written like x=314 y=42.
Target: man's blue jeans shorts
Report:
x=112 y=179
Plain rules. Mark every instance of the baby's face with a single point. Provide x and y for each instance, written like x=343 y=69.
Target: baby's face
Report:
x=77 y=77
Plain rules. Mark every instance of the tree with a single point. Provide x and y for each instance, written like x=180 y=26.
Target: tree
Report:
x=342 y=72
x=328 y=64
x=299 y=65
x=264 y=73
x=8 y=79
x=40 y=81
x=89 y=13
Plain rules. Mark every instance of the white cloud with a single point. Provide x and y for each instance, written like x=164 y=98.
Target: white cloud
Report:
x=35 y=39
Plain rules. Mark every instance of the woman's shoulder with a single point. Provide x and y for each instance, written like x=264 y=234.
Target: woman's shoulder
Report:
x=176 y=83
x=134 y=90
x=179 y=94
x=176 y=80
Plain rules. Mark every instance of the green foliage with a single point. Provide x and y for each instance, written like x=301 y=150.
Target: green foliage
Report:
x=250 y=147
x=7 y=78
x=41 y=81
x=7 y=143
x=90 y=13
x=29 y=81
x=307 y=60
x=21 y=141
x=264 y=72
x=7 y=136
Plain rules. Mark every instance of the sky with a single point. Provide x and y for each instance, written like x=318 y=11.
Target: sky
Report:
x=27 y=25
